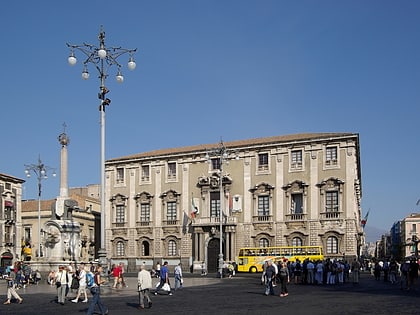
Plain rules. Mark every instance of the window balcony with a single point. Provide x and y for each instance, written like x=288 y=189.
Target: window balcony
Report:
x=144 y=223
x=210 y=221
x=293 y=217
x=330 y=215
x=171 y=222
x=262 y=222
x=118 y=224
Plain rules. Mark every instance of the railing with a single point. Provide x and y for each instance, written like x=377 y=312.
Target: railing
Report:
x=213 y=220
x=119 y=224
x=262 y=218
x=143 y=223
x=170 y=222
x=296 y=217
x=333 y=215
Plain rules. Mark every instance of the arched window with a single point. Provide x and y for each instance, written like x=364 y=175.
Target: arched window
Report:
x=172 y=248
x=263 y=242
x=145 y=248
x=297 y=241
x=332 y=245
x=120 y=248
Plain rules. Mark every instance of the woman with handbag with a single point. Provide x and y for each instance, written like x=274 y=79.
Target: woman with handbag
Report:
x=61 y=282
x=11 y=291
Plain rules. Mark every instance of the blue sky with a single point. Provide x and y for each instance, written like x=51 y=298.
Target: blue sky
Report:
x=231 y=69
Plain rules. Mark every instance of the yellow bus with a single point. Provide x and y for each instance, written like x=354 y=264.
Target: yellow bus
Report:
x=252 y=259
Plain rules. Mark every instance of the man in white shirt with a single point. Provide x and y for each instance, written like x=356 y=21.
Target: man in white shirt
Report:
x=144 y=285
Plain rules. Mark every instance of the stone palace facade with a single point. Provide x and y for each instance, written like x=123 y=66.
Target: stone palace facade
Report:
x=301 y=189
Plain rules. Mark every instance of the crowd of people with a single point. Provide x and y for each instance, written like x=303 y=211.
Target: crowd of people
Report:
x=328 y=271
x=405 y=273
x=81 y=282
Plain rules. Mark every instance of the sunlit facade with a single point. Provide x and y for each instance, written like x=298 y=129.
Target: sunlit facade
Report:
x=302 y=189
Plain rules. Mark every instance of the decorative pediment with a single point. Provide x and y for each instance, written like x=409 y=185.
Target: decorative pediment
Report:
x=213 y=181
x=170 y=195
x=296 y=186
x=118 y=199
x=261 y=188
x=143 y=197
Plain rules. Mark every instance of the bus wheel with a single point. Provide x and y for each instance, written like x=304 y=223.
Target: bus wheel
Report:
x=253 y=269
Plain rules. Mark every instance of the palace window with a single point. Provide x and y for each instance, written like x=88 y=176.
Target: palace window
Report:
x=145 y=212
x=171 y=170
x=214 y=204
x=145 y=173
x=263 y=162
x=263 y=242
x=331 y=157
x=297 y=241
x=145 y=248
x=215 y=164
x=171 y=211
x=120 y=175
x=263 y=206
x=331 y=201
x=296 y=160
x=119 y=214
x=120 y=249
x=332 y=245
x=172 y=251
x=296 y=204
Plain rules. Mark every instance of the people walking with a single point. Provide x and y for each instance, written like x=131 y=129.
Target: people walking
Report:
x=11 y=288
x=61 y=282
x=82 y=285
x=96 y=293
x=117 y=273
x=284 y=278
x=164 y=278
x=144 y=280
x=178 y=277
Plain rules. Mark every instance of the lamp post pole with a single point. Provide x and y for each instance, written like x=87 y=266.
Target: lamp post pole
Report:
x=102 y=58
x=222 y=153
x=40 y=170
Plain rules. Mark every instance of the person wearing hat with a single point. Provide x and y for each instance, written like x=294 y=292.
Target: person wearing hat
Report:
x=144 y=285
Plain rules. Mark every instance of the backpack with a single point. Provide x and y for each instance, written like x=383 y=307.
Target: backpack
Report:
x=90 y=280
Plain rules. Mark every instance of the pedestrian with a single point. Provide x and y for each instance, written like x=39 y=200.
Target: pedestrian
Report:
x=270 y=273
x=61 y=282
x=116 y=273
x=355 y=270
x=11 y=288
x=310 y=267
x=284 y=278
x=203 y=269
x=122 y=281
x=157 y=269
x=96 y=293
x=144 y=285
x=164 y=278
x=82 y=284
x=178 y=277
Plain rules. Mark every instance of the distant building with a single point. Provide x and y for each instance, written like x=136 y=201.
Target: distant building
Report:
x=10 y=218
x=302 y=189
x=410 y=228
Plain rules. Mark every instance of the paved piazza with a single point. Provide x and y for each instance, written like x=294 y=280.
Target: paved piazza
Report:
x=242 y=294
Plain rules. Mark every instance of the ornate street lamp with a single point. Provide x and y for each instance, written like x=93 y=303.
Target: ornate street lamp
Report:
x=102 y=58
x=41 y=171
x=222 y=154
